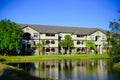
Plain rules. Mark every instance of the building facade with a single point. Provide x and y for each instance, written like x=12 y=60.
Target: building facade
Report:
x=33 y=34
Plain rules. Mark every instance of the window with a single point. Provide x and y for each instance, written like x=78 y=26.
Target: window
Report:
x=52 y=42
x=78 y=42
x=34 y=43
x=52 y=50
x=47 y=34
x=92 y=37
x=104 y=44
x=82 y=49
x=47 y=50
x=78 y=49
x=103 y=37
x=80 y=36
x=50 y=34
x=35 y=34
x=47 y=41
x=81 y=42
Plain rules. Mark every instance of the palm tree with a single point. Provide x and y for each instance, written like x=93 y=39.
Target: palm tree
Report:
x=41 y=47
x=38 y=47
x=90 y=44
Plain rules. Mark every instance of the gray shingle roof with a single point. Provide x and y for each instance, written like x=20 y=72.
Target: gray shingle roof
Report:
x=64 y=29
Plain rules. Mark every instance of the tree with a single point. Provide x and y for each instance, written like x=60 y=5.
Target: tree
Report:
x=10 y=37
x=114 y=38
x=90 y=45
x=38 y=47
x=41 y=47
x=67 y=43
x=107 y=45
x=62 y=44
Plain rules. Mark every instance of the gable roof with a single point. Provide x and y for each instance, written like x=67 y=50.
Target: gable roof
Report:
x=62 y=29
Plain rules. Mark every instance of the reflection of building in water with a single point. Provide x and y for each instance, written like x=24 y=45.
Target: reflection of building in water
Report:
x=72 y=70
x=80 y=71
x=67 y=69
x=53 y=69
x=47 y=69
x=102 y=69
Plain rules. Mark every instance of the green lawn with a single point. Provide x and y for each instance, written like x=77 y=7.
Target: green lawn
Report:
x=48 y=57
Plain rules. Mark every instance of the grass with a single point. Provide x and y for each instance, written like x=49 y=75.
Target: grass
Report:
x=51 y=57
x=116 y=66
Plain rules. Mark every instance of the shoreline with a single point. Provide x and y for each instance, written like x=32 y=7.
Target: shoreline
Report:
x=52 y=57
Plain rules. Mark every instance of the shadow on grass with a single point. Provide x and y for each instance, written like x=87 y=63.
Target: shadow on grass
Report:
x=116 y=66
x=1 y=60
x=11 y=73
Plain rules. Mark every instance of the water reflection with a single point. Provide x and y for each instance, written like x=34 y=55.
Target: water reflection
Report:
x=71 y=70
x=27 y=67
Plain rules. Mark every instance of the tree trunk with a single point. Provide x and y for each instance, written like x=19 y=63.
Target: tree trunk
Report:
x=43 y=51
x=68 y=50
x=39 y=51
x=62 y=50
x=87 y=50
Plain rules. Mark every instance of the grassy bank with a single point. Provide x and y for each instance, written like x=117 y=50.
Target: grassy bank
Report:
x=48 y=57
x=116 y=66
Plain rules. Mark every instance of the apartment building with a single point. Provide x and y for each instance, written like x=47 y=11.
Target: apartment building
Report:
x=33 y=34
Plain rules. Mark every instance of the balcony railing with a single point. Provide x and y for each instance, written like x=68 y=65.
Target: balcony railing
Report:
x=26 y=41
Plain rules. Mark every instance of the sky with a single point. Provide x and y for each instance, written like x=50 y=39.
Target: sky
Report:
x=74 y=13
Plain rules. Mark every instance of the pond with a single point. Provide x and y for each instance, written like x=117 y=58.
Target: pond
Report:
x=100 y=69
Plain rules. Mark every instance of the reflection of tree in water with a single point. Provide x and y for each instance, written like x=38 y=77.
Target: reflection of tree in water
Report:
x=27 y=67
x=80 y=63
x=70 y=70
x=41 y=66
x=92 y=64
x=45 y=65
x=67 y=65
x=61 y=64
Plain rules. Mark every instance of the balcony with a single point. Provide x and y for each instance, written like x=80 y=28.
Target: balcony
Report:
x=26 y=41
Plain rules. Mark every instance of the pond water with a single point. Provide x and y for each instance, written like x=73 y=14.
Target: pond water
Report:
x=71 y=69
